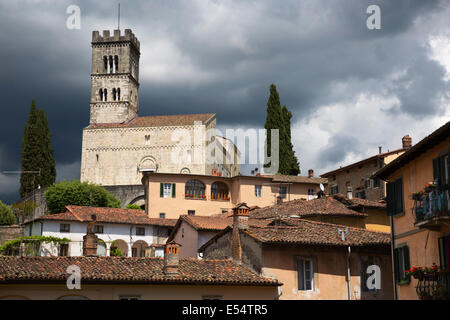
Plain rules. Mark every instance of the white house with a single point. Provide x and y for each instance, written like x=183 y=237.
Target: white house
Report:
x=131 y=231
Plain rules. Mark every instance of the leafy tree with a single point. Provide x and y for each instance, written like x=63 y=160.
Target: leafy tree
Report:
x=279 y=117
x=78 y=193
x=6 y=216
x=37 y=153
x=115 y=252
x=23 y=209
x=133 y=206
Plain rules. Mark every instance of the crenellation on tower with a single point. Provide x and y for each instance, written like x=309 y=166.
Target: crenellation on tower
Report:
x=106 y=37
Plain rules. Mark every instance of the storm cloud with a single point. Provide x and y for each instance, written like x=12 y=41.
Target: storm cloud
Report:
x=350 y=89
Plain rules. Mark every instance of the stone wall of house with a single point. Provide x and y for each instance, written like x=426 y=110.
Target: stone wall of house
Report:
x=10 y=232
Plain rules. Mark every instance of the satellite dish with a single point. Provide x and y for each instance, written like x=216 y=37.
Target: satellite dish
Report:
x=322 y=187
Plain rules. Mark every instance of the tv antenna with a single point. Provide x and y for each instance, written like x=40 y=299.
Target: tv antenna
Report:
x=118 y=18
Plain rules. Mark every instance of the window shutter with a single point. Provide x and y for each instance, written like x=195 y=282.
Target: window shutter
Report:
x=442 y=180
x=396 y=265
x=300 y=272
x=406 y=257
x=161 y=190
x=390 y=198
x=398 y=196
x=173 y=190
x=442 y=261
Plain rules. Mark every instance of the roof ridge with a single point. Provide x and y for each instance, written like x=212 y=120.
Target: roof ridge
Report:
x=69 y=208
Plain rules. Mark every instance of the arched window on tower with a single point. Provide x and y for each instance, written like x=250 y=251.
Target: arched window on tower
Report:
x=100 y=95
x=114 y=94
x=105 y=95
x=105 y=63
x=111 y=64
x=116 y=64
x=118 y=94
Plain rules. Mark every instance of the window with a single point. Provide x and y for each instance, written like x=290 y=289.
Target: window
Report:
x=367 y=184
x=361 y=194
x=167 y=190
x=401 y=264
x=162 y=215
x=258 y=191
x=63 y=250
x=140 y=231
x=311 y=194
x=283 y=192
x=441 y=175
x=182 y=232
x=191 y=212
x=334 y=177
x=376 y=183
x=444 y=252
x=98 y=229
x=305 y=274
x=334 y=190
x=64 y=227
x=219 y=191
x=194 y=189
x=116 y=64
x=394 y=197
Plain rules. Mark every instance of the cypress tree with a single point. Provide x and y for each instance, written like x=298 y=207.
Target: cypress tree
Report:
x=37 y=153
x=279 y=117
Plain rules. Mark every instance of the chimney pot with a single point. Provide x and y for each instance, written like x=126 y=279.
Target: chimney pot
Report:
x=90 y=239
x=406 y=142
x=310 y=173
x=379 y=149
x=171 y=258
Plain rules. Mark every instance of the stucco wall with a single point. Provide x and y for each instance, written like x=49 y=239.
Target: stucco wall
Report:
x=146 y=292
x=10 y=232
x=422 y=243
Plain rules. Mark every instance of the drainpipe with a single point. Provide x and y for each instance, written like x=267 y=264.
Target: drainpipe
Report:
x=348 y=273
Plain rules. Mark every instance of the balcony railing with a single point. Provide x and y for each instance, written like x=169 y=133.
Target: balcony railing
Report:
x=433 y=285
x=223 y=196
x=431 y=208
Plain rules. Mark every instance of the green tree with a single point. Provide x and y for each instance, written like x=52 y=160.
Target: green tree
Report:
x=37 y=153
x=78 y=193
x=133 y=206
x=7 y=217
x=279 y=117
x=23 y=209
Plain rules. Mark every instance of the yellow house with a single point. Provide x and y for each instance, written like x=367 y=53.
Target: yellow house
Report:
x=171 y=195
x=419 y=208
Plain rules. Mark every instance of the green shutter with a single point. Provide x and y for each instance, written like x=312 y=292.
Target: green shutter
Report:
x=390 y=198
x=173 y=190
x=161 y=190
x=436 y=168
x=396 y=266
x=398 y=196
x=406 y=255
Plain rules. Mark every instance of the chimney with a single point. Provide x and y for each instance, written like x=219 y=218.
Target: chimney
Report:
x=171 y=258
x=379 y=149
x=310 y=173
x=90 y=239
x=349 y=193
x=406 y=142
x=240 y=222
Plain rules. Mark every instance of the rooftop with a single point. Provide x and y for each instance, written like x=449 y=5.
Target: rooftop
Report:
x=128 y=270
x=416 y=150
x=304 y=208
x=159 y=121
x=356 y=203
x=107 y=215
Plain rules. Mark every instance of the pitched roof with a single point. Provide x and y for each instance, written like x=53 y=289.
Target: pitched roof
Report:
x=211 y=223
x=416 y=150
x=303 y=208
x=107 y=215
x=158 y=121
x=356 y=203
x=298 y=179
x=375 y=157
x=307 y=232
x=128 y=270
x=318 y=233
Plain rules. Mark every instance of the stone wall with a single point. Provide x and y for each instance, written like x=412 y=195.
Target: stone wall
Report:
x=9 y=233
x=128 y=194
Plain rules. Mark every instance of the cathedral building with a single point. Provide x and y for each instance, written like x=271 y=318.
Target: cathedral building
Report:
x=118 y=145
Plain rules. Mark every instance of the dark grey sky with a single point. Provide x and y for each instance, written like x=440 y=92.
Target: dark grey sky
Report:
x=349 y=88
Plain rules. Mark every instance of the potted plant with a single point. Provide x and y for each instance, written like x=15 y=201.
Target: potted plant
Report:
x=417 y=273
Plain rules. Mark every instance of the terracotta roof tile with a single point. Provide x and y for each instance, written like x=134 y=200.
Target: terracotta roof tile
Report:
x=158 y=121
x=357 y=202
x=128 y=270
x=304 y=208
x=217 y=223
x=107 y=215
x=318 y=233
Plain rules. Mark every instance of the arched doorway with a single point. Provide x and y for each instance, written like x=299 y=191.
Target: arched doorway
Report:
x=118 y=248
x=139 y=249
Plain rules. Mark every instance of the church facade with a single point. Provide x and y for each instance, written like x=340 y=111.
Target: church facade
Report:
x=118 y=145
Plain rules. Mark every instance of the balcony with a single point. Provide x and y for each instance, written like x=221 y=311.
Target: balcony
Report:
x=433 y=285
x=220 y=196
x=432 y=209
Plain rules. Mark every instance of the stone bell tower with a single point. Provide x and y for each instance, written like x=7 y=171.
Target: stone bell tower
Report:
x=114 y=77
